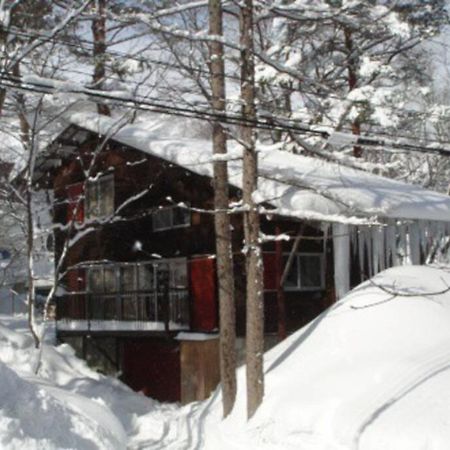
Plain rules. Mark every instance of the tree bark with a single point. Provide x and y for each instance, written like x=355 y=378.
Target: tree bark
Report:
x=30 y=272
x=99 y=34
x=21 y=112
x=255 y=299
x=25 y=138
x=352 y=80
x=222 y=219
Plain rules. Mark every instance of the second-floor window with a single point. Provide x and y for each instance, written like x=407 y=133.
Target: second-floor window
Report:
x=170 y=217
x=99 y=200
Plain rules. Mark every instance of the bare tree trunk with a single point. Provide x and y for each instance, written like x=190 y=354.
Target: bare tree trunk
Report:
x=30 y=272
x=25 y=138
x=255 y=298
x=2 y=99
x=99 y=34
x=352 y=80
x=221 y=219
x=21 y=112
x=3 y=50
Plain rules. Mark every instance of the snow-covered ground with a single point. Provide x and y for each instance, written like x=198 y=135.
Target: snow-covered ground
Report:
x=371 y=373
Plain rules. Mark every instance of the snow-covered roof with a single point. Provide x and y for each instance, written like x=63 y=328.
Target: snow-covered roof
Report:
x=295 y=185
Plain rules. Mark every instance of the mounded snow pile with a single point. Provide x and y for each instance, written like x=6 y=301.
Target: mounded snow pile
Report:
x=50 y=410
x=32 y=418
x=371 y=373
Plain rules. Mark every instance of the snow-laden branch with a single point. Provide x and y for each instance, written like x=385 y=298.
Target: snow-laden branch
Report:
x=28 y=49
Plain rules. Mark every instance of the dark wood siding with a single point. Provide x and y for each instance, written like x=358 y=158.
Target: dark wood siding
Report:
x=152 y=367
x=165 y=184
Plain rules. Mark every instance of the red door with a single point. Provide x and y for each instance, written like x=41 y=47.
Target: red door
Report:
x=202 y=274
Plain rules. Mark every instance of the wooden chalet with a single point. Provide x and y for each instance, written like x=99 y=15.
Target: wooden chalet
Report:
x=136 y=235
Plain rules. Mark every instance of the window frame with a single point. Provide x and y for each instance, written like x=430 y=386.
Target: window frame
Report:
x=171 y=226
x=89 y=213
x=299 y=287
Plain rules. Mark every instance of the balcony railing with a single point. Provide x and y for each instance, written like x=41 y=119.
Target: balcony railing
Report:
x=143 y=310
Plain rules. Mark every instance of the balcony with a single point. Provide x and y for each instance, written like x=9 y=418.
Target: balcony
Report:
x=133 y=311
x=164 y=295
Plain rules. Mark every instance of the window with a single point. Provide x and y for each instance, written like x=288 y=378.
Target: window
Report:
x=178 y=274
x=306 y=273
x=170 y=217
x=100 y=197
x=75 y=204
x=129 y=291
x=102 y=284
x=5 y=254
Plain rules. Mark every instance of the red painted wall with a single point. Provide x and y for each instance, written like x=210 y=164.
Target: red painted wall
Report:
x=202 y=280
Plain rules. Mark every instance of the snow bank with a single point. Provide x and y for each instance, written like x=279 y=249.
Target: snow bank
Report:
x=33 y=418
x=371 y=373
x=46 y=411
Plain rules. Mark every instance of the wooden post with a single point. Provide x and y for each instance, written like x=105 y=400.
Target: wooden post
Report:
x=281 y=301
x=291 y=257
x=163 y=295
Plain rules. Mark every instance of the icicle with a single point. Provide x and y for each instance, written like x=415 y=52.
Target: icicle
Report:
x=391 y=245
x=361 y=250
x=423 y=244
x=433 y=241
x=368 y=246
x=382 y=248
x=341 y=247
x=354 y=240
x=414 y=242
x=402 y=244
x=377 y=249
x=439 y=240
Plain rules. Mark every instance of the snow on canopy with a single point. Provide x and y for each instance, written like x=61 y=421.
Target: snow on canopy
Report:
x=295 y=185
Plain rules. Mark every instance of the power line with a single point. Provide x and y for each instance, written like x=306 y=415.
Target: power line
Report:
x=231 y=119
x=272 y=117
x=227 y=76
x=147 y=105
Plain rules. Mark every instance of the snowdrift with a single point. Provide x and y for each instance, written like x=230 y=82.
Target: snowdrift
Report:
x=371 y=373
x=33 y=418
x=37 y=414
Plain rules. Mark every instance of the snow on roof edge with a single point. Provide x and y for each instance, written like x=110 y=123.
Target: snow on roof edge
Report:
x=336 y=193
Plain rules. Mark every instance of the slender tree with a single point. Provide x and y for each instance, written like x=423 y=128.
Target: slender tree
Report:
x=99 y=51
x=255 y=298
x=221 y=218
